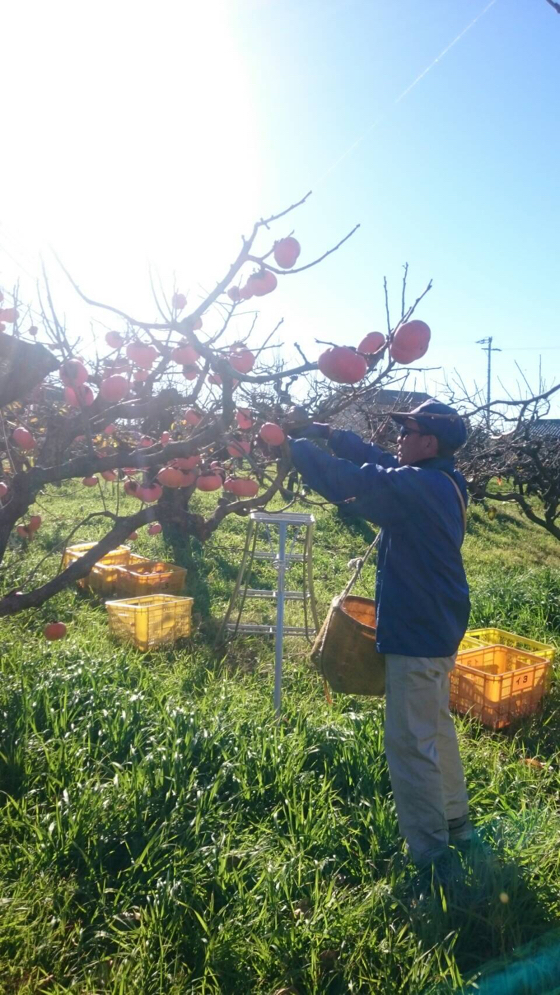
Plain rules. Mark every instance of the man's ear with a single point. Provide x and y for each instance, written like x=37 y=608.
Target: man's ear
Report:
x=434 y=444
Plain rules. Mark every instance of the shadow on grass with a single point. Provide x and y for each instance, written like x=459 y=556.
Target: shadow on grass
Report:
x=188 y=552
x=538 y=738
x=479 y=521
x=494 y=913
x=207 y=572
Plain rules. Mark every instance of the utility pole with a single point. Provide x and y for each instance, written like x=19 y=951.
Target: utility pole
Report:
x=489 y=348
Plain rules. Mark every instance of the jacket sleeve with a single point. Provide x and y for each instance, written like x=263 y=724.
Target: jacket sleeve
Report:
x=349 y=446
x=371 y=490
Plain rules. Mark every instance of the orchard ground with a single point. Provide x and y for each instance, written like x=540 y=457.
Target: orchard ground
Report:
x=161 y=833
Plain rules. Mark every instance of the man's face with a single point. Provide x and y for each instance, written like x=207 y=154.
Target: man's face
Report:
x=413 y=445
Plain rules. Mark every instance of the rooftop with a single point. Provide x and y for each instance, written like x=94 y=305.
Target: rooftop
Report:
x=544 y=428
x=363 y=416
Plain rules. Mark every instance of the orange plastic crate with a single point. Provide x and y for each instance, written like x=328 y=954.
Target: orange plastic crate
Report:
x=150 y=577
x=497 y=684
x=150 y=621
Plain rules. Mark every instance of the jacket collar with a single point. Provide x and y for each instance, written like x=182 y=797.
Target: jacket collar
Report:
x=445 y=463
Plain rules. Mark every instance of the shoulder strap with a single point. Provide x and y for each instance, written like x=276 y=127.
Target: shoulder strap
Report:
x=359 y=567
x=461 y=500
x=363 y=560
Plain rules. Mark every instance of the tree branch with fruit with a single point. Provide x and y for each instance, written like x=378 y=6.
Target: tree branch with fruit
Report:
x=166 y=412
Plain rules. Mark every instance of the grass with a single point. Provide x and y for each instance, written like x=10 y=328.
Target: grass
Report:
x=161 y=833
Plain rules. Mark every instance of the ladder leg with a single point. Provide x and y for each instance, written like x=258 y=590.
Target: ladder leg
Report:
x=238 y=583
x=309 y=571
x=279 y=638
x=248 y=567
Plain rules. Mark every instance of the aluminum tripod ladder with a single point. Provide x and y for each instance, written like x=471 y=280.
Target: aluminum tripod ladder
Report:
x=290 y=528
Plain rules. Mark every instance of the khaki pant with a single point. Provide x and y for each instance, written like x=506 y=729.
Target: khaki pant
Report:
x=423 y=755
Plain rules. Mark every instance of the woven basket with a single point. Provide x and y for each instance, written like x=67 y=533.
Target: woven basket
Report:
x=344 y=650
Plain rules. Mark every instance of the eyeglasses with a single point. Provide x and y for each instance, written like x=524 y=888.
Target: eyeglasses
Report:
x=409 y=431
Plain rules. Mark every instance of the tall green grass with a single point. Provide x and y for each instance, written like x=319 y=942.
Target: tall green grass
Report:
x=161 y=832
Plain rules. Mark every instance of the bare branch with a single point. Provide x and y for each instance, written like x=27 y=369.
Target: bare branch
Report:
x=14 y=603
x=386 y=293
x=265 y=222
x=519 y=402
x=403 y=298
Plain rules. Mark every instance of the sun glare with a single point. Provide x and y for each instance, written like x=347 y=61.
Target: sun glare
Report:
x=132 y=137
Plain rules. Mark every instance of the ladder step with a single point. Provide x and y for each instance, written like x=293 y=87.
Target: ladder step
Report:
x=288 y=595
x=285 y=517
x=288 y=630
x=262 y=554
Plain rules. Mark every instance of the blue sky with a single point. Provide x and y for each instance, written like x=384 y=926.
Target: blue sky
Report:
x=159 y=133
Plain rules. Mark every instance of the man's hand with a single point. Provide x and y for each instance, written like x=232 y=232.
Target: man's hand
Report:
x=315 y=430
x=296 y=421
x=304 y=428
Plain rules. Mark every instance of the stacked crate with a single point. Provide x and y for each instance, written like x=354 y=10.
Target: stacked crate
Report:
x=103 y=575
x=149 y=611
x=499 y=676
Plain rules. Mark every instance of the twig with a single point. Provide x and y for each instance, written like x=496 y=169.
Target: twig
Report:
x=268 y=338
x=386 y=292
x=155 y=296
x=265 y=222
x=404 y=290
x=301 y=352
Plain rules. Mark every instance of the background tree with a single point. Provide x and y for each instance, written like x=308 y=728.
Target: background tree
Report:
x=511 y=454
x=518 y=464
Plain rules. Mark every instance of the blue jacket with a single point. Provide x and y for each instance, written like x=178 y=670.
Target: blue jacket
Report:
x=422 y=595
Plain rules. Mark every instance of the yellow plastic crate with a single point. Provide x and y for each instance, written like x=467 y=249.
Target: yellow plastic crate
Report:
x=100 y=582
x=497 y=684
x=134 y=559
x=102 y=579
x=150 y=577
x=491 y=637
x=152 y=620
x=119 y=555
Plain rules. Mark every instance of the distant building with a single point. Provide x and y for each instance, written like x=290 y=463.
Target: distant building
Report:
x=369 y=414
x=544 y=428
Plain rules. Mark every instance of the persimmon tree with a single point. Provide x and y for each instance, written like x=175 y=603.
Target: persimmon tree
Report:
x=163 y=409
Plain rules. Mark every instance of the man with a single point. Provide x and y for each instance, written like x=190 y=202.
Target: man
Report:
x=422 y=604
